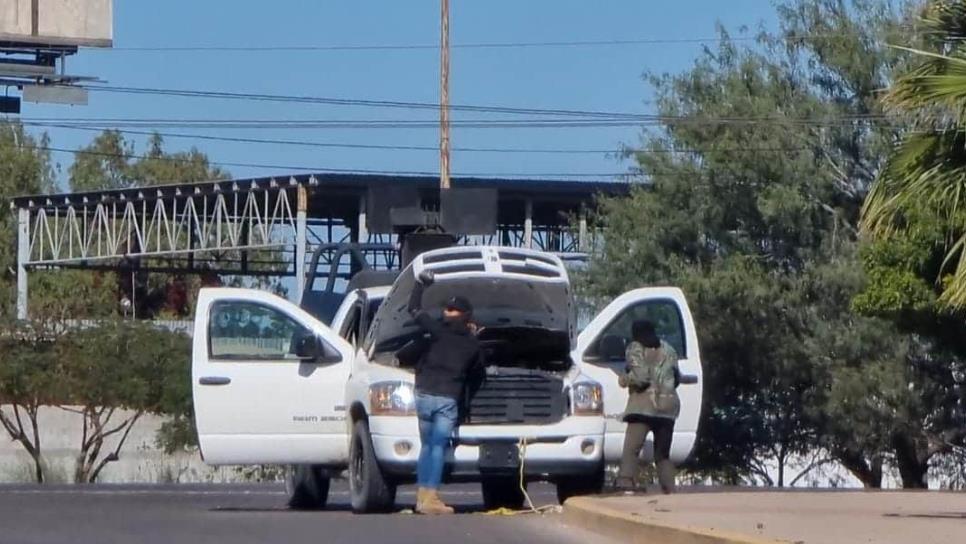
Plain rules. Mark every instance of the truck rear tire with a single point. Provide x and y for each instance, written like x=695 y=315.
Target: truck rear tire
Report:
x=307 y=487
x=502 y=492
x=368 y=489
x=576 y=486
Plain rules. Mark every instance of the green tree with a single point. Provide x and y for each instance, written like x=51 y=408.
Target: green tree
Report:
x=114 y=374
x=178 y=433
x=859 y=360
x=25 y=168
x=916 y=229
x=902 y=267
x=756 y=218
x=101 y=372
x=32 y=370
x=29 y=380
x=112 y=162
x=29 y=374
x=923 y=187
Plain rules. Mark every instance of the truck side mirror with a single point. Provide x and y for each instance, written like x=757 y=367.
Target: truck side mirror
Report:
x=308 y=347
x=688 y=379
x=312 y=349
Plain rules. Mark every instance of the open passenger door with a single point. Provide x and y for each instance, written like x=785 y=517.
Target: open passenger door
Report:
x=268 y=381
x=600 y=351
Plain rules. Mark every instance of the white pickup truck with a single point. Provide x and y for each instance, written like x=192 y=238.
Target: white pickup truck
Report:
x=272 y=384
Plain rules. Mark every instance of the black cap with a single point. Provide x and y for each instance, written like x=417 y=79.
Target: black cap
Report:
x=460 y=304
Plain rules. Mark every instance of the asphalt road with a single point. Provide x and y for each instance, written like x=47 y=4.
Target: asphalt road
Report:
x=239 y=514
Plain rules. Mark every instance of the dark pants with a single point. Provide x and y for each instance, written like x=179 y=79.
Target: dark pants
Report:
x=637 y=431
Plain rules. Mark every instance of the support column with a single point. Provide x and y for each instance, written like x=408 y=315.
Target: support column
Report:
x=246 y=240
x=300 y=234
x=362 y=232
x=528 y=224
x=582 y=233
x=444 y=96
x=23 y=255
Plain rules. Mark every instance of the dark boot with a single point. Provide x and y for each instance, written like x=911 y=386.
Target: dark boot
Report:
x=665 y=475
x=627 y=486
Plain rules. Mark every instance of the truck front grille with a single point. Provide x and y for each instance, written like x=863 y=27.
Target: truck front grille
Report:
x=517 y=396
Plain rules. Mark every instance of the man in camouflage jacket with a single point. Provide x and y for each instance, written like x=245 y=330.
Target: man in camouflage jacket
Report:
x=652 y=377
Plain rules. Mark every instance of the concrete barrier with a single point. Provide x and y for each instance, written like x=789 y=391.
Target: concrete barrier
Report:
x=763 y=516
x=140 y=460
x=595 y=515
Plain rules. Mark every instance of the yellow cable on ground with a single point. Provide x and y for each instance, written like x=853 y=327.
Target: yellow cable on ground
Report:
x=522 y=445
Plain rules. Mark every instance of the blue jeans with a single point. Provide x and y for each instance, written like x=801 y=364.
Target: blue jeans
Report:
x=437 y=419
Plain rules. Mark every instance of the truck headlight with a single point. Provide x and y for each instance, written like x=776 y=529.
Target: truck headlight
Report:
x=392 y=399
x=588 y=399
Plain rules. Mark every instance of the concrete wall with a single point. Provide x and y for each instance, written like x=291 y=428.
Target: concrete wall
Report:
x=140 y=459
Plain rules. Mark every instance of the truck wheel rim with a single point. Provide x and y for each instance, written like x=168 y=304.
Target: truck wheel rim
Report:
x=358 y=464
x=289 y=481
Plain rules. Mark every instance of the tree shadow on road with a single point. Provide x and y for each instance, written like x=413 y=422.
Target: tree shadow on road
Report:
x=929 y=515
x=401 y=509
x=282 y=509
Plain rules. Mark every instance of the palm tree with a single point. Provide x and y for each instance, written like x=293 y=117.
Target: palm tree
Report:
x=926 y=174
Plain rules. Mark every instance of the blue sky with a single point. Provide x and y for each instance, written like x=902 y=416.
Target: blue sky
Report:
x=584 y=78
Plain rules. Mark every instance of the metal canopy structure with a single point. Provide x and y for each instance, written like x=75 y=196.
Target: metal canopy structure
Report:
x=269 y=226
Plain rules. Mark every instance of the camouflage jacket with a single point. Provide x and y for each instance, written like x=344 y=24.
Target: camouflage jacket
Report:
x=652 y=377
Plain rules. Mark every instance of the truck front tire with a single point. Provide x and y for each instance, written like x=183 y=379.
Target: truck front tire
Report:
x=502 y=492
x=307 y=487
x=576 y=486
x=368 y=489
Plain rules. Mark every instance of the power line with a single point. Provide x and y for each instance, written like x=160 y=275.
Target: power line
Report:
x=627 y=174
x=261 y=97
x=387 y=147
x=607 y=118
x=383 y=124
x=405 y=47
x=336 y=145
x=320 y=169
x=307 y=123
x=479 y=45
x=336 y=124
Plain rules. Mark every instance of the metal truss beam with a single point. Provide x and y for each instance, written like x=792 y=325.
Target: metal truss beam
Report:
x=96 y=232
x=259 y=227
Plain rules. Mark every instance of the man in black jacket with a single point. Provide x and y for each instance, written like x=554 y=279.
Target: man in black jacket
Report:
x=450 y=356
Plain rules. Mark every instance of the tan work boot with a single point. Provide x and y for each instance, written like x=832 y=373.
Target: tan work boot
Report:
x=432 y=499
x=431 y=503
x=420 y=499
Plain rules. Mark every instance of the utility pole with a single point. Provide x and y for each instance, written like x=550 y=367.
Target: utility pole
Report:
x=444 y=96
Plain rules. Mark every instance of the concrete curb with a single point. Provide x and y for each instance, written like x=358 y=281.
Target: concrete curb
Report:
x=592 y=514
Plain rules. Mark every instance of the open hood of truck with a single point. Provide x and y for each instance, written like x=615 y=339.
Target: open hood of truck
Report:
x=500 y=301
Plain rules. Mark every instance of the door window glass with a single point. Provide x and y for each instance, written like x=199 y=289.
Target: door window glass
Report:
x=366 y=320
x=251 y=331
x=611 y=344
x=350 y=330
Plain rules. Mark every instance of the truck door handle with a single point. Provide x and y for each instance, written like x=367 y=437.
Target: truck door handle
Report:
x=214 y=380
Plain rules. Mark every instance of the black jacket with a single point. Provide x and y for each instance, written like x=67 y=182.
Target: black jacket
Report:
x=450 y=356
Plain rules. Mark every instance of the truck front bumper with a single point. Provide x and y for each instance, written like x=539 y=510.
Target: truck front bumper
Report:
x=551 y=451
